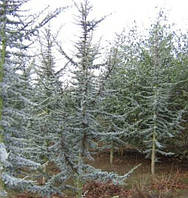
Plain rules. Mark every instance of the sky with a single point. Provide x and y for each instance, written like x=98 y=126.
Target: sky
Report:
x=125 y=11
x=122 y=14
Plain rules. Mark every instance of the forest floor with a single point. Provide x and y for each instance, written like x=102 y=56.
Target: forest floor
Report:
x=171 y=178
x=171 y=175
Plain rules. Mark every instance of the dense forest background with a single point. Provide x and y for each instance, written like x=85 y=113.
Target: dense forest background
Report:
x=132 y=94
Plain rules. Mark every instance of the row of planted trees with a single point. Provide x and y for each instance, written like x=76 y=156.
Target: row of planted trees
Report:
x=45 y=125
x=132 y=97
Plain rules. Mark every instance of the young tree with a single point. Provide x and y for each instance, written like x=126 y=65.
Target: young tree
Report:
x=160 y=121
x=121 y=87
x=61 y=115
x=48 y=123
x=147 y=65
x=16 y=33
x=26 y=124
x=83 y=127
x=179 y=94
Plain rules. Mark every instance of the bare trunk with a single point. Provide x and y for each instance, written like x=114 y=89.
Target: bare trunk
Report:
x=153 y=156
x=111 y=154
x=79 y=184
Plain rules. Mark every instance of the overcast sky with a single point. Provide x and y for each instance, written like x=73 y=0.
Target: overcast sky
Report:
x=126 y=10
x=123 y=13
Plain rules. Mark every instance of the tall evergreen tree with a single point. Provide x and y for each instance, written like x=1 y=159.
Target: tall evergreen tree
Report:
x=66 y=117
x=179 y=94
x=82 y=126
x=16 y=33
x=160 y=122
x=145 y=68
x=48 y=124
x=121 y=88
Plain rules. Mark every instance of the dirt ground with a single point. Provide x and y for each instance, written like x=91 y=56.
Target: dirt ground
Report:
x=171 y=174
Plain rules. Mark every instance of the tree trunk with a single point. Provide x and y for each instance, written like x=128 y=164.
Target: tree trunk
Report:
x=154 y=137
x=153 y=156
x=79 y=184
x=111 y=154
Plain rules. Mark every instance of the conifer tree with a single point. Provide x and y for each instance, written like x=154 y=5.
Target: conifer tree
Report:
x=49 y=122
x=149 y=82
x=121 y=85
x=160 y=121
x=16 y=33
x=59 y=120
x=65 y=134
x=179 y=94
x=82 y=126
